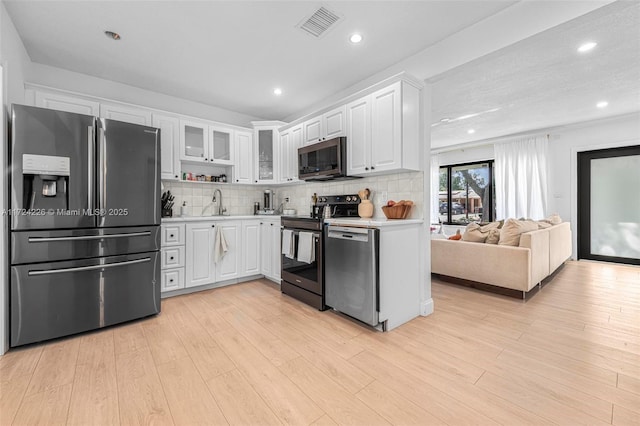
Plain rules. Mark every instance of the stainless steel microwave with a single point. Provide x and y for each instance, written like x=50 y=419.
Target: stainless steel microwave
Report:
x=324 y=160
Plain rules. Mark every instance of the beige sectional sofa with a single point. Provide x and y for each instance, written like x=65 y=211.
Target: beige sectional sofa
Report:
x=520 y=268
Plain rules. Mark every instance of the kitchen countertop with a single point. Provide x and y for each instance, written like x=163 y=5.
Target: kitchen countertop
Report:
x=373 y=223
x=209 y=218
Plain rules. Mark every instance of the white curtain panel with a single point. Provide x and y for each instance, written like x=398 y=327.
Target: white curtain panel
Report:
x=521 y=178
x=435 y=188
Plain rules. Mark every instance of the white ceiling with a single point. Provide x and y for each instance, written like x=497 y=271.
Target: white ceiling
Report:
x=232 y=54
x=542 y=81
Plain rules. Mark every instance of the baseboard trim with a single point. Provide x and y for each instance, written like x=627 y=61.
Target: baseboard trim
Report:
x=426 y=307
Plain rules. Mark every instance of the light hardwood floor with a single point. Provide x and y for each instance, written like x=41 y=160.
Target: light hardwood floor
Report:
x=247 y=355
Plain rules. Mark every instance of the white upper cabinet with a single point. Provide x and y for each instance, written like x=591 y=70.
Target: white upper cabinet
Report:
x=221 y=145
x=331 y=124
x=358 y=135
x=384 y=131
x=266 y=154
x=243 y=170
x=63 y=102
x=194 y=141
x=169 y=145
x=290 y=141
x=128 y=114
x=312 y=130
x=334 y=123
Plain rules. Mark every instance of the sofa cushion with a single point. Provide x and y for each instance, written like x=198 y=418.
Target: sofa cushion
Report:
x=512 y=229
x=493 y=237
x=475 y=233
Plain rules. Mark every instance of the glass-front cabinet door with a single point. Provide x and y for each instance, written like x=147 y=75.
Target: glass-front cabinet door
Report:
x=194 y=141
x=265 y=155
x=221 y=145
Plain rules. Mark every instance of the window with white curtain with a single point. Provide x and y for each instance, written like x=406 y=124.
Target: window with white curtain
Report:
x=521 y=178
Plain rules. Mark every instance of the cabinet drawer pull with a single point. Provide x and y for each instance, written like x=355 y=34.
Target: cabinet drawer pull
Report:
x=171 y=258
x=171 y=280
x=171 y=235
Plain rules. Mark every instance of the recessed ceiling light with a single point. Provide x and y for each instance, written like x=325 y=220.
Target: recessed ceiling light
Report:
x=355 y=38
x=471 y=131
x=602 y=104
x=587 y=46
x=112 y=35
x=277 y=91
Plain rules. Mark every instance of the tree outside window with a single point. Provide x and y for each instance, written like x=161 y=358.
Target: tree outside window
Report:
x=465 y=192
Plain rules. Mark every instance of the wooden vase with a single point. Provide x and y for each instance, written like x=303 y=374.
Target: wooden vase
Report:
x=365 y=209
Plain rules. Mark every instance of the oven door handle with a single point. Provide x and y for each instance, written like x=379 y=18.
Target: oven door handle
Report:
x=88 y=268
x=316 y=235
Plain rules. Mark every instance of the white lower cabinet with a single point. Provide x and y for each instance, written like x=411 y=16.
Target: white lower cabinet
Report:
x=188 y=252
x=200 y=268
x=172 y=279
x=270 y=248
x=172 y=257
x=250 y=247
x=229 y=266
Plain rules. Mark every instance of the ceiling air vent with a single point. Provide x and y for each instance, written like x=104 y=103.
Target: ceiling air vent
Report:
x=320 y=22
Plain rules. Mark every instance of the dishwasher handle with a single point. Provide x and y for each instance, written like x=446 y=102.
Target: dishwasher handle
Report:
x=348 y=233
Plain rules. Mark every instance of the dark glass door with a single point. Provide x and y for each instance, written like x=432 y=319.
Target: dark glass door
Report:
x=609 y=205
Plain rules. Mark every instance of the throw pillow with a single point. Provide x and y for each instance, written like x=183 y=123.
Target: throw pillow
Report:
x=554 y=219
x=457 y=236
x=512 y=229
x=478 y=234
x=543 y=224
x=493 y=237
x=473 y=234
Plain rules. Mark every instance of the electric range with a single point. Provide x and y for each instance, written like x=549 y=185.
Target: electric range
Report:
x=302 y=275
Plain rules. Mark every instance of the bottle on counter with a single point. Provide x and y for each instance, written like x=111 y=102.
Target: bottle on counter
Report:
x=183 y=209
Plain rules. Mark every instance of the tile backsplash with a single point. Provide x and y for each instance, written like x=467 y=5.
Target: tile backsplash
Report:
x=239 y=199
x=397 y=186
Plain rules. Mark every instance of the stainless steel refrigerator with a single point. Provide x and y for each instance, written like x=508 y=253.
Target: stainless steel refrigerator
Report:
x=85 y=223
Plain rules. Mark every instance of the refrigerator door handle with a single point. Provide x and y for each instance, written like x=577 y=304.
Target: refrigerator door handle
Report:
x=87 y=237
x=90 y=167
x=102 y=146
x=88 y=268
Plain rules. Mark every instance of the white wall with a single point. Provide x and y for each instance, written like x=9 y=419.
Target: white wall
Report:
x=14 y=61
x=465 y=155
x=564 y=144
x=87 y=85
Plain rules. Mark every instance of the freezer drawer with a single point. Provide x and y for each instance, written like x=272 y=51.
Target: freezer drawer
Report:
x=48 y=246
x=50 y=300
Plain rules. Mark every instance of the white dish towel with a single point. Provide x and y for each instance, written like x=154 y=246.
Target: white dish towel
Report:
x=220 y=247
x=306 y=247
x=288 y=248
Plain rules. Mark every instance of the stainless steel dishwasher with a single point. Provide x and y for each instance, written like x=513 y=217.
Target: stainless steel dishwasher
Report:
x=352 y=272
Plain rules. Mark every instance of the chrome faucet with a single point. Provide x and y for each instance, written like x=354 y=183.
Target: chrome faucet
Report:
x=221 y=209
